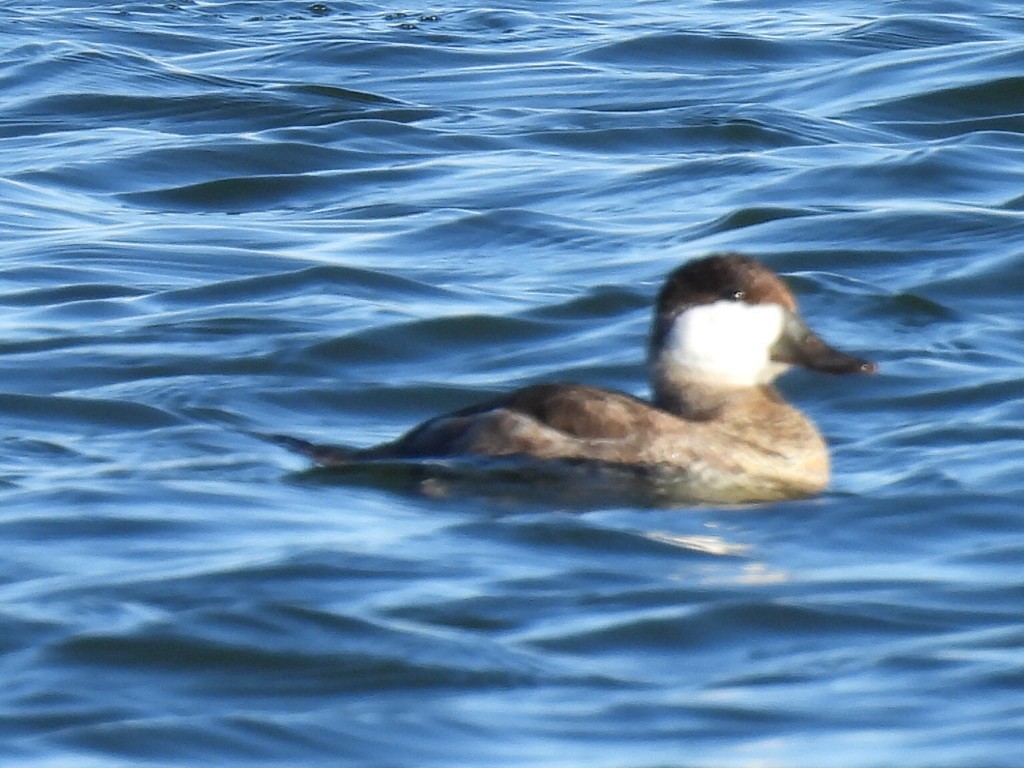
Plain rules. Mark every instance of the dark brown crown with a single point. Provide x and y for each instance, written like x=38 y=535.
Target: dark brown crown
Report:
x=723 y=276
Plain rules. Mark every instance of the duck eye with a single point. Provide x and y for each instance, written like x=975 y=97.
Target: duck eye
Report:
x=738 y=295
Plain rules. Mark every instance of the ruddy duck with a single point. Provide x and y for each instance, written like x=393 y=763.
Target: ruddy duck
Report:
x=724 y=328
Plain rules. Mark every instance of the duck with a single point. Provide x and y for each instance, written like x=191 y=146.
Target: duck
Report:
x=715 y=429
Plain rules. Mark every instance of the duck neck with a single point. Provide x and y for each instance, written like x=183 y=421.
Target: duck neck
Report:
x=691 y=397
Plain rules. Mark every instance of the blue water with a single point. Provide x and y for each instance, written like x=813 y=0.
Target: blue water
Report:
x=337 y=219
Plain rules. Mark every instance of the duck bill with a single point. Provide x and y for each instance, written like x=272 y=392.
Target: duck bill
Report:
x=799 y=345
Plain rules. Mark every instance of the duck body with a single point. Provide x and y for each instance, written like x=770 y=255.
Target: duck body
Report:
x=716 y=430
x=754 y=447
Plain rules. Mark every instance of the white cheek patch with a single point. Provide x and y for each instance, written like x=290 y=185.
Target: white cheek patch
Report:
x=729 y=341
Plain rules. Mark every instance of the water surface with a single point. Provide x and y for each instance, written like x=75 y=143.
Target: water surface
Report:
x=337 y=219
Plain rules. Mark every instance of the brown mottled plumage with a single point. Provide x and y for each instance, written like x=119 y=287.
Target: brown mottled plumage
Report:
x=727 y=438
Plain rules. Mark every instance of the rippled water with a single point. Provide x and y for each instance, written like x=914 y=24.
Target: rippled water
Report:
x=221 y=218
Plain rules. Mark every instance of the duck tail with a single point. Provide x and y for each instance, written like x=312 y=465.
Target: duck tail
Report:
x=324 y=455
